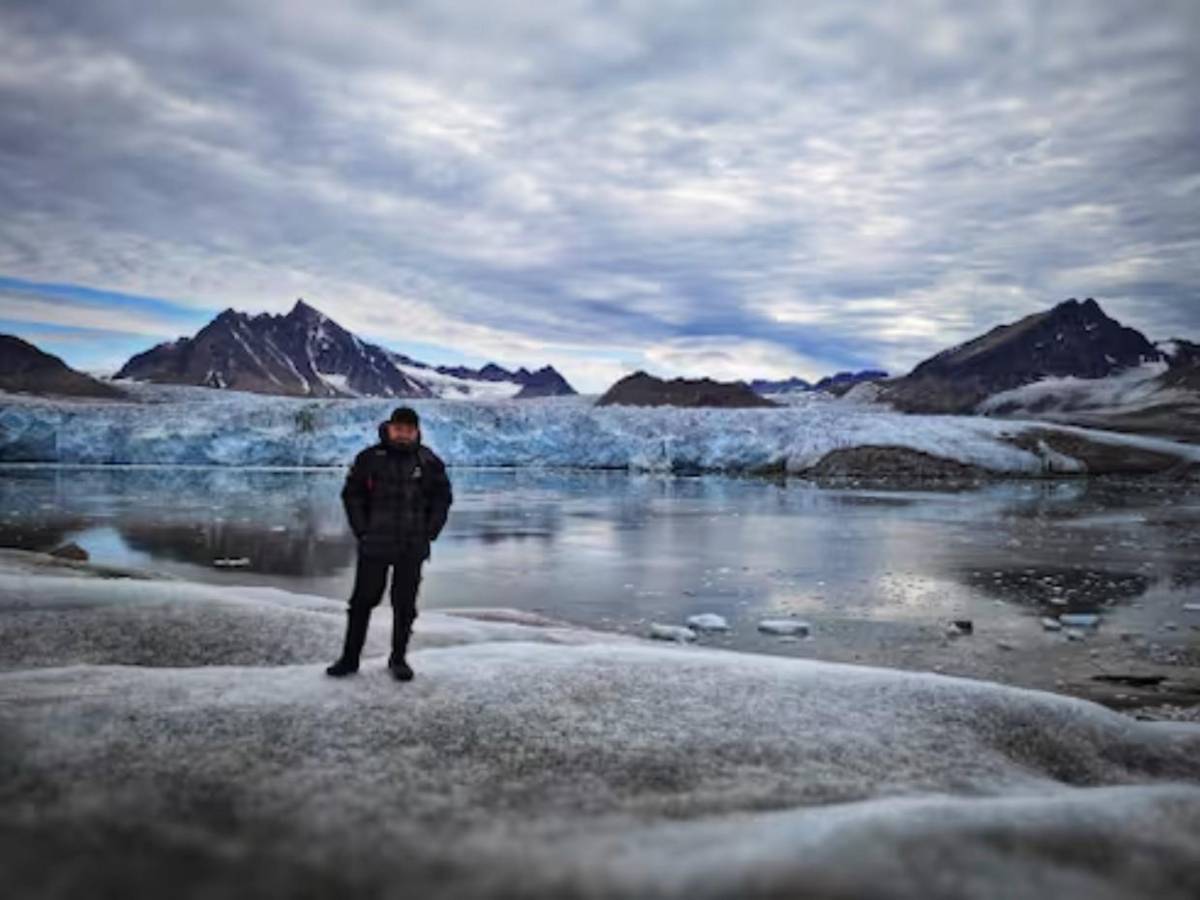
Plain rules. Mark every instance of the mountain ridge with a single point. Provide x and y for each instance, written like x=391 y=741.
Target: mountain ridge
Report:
x=304 y=352
x=26 y=368
x=1072 y=339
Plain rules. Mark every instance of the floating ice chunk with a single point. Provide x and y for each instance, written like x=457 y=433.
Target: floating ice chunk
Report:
x=707 y=622
x=661 y=632
x=1051 y=624
x=233 y=562
x=784 y=626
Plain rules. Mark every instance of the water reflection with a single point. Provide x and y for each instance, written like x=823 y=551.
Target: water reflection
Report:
x=613 y=548
x=1061 y=590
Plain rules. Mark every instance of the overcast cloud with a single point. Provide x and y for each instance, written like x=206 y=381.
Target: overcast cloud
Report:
x=735 y=189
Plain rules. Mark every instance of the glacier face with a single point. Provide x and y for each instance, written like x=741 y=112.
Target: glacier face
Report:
x=176 y=425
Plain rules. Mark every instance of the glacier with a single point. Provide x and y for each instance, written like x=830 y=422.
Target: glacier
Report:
x=537 y=759
x=177 y=425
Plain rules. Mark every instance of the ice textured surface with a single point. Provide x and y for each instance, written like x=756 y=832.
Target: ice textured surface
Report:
x=532 y=759
x=175 y=425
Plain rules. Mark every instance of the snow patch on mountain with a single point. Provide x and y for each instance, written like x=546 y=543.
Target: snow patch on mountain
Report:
x=1134 y=388
x=453 y=387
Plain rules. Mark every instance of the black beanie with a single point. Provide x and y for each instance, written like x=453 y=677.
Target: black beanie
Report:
x=405 y=415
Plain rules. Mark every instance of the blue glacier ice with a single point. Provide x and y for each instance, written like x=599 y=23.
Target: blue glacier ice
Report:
x=200 y=426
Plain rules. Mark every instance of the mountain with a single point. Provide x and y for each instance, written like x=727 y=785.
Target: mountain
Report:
x=1183 y=361
x=26 y=369
x=834 y=384
x=305 y=353
x=793 y=385
x=843 y=381
x=641 y=389
x=545 y=382
x=1070 y=365
x=1074 y=339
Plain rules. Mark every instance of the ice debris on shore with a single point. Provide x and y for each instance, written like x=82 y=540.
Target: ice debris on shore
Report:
x=788 y=627
x=679 y=633
x=707 y=622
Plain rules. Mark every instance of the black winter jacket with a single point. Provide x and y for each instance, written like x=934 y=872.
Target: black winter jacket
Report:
x=396 y=498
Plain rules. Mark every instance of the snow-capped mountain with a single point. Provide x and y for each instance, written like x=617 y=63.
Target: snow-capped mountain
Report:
x=1071 y=340
x=841 y=382
x=1071 y=364
x=793 y=385
x=307 y=354
x=489 y=380
x=834 y=384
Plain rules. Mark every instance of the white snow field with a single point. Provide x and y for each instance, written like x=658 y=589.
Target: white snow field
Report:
x=161 y=736
x=200 y=426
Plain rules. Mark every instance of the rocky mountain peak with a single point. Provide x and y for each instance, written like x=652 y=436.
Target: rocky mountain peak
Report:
x=305 y=353
x=1074 y=338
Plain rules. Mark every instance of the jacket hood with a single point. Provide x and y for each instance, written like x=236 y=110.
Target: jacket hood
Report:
x=383 y=438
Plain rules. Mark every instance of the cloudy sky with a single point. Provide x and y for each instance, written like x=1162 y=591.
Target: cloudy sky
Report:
x=735 y=189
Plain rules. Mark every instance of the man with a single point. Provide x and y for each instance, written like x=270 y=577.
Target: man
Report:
x=397 y=496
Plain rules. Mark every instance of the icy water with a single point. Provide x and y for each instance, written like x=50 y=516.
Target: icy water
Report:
x=619 y=551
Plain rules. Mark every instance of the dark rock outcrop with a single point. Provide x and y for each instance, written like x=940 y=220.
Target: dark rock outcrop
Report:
x=1102 y=458
x=891 y=464
x=1183 y=359
x=70 y=550
x=642 y=389
x=26 y=369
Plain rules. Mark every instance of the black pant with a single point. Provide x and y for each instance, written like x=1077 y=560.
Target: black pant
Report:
x=370 y=576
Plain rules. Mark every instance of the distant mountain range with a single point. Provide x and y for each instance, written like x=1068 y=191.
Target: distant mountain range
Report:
x=839 y=383
x=26 y=369
x=304 y=353
x=1071 y=363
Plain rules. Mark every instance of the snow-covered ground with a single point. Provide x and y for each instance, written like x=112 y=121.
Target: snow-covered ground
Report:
x=174 y=425
x=528 y=759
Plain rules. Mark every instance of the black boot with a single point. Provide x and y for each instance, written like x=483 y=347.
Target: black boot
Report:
x=396 y=664
x=357 y=620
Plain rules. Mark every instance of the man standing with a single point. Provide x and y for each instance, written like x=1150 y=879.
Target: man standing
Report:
x=397 y=496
